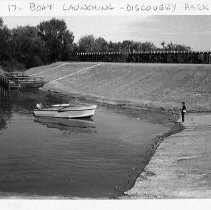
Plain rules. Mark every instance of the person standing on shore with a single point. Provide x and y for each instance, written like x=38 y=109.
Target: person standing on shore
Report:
x=183 y=111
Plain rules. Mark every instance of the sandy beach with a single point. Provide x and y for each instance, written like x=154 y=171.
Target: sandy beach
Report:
x=180 y=166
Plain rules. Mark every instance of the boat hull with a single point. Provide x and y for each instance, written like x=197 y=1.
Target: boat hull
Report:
x=66 y=112
x=31 y=84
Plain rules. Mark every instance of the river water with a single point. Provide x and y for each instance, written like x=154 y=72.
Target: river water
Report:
x=99 y=158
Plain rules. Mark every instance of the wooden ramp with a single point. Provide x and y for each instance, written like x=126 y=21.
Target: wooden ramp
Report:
x=17 y=80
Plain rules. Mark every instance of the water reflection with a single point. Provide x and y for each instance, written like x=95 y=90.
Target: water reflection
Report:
x=5 y=108
x=68 y=125
x=24 y=102
x=5 y=105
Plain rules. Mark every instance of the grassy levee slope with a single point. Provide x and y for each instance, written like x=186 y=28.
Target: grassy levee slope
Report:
x=155 y=85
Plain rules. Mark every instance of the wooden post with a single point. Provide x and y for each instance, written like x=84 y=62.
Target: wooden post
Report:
x=8 y=84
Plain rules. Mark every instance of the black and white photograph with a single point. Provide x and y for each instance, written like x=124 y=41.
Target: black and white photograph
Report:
x=105 y=107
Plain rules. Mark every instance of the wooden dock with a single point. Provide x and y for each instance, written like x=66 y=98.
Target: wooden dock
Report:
x=17 y=80
x=8 y=84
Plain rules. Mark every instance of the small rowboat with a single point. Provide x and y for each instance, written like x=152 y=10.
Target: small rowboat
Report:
x=65 y=111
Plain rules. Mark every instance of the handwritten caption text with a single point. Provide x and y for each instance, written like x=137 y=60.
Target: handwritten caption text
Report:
x=104 y=7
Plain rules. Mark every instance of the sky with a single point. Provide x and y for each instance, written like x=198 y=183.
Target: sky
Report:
x=193 y=31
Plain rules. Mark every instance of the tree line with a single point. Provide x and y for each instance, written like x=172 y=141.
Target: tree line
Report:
x=50 y=41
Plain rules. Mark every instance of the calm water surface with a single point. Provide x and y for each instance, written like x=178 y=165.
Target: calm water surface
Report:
x=51 y=157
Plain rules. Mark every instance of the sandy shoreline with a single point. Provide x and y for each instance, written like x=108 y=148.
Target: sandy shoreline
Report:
x=180 y=167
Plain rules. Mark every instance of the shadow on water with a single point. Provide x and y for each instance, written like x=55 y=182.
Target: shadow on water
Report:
x=68 y=125
x=25 y=101
x=5 y=108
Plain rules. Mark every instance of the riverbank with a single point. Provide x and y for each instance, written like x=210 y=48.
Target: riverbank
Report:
x=180 y=168
x=156 y=89
x=140 y=85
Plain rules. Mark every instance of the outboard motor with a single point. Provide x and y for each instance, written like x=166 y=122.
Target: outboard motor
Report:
x=39 y=106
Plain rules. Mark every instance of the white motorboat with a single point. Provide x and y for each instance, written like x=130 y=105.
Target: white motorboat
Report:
x=65 y=111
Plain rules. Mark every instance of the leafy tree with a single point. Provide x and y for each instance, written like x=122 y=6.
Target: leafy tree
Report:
x=58 y=40
x=170 y=46
x=27 y=46
x=148 y=46
x=90 y=44
x=67 y=45
x=114 y=47
x=1 y=22
x=127 y=46
x=137 y=46
x=177 y=47
x=101 y=45
x=163 y=44
x=5 y=38
x=86 y=43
